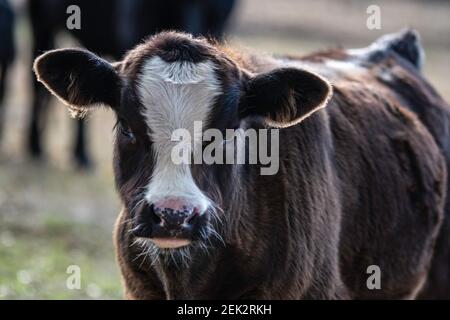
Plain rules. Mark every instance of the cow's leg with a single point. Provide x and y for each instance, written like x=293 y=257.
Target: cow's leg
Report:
x=43 y=40
x=81 y=155
x=37 y=120
x=3 y=73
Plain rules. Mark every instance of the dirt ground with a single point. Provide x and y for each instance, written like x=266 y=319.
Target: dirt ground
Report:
x=53 y=216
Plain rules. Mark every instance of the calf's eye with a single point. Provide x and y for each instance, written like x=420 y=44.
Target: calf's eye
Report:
x=126 y=132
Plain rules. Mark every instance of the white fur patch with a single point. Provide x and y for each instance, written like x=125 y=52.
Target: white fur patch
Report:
x=174 y=95
x=330 y=69
x=179 y=72
x=344 y=66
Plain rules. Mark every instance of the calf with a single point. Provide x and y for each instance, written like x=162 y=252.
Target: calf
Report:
x=361 y=180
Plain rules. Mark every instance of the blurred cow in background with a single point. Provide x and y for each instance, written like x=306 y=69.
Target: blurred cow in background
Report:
x=6 y=49
x=110 y=28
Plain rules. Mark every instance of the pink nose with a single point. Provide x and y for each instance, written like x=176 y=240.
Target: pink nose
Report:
x=175 y=211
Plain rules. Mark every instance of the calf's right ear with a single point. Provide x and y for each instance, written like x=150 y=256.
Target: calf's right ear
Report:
x=79 y=78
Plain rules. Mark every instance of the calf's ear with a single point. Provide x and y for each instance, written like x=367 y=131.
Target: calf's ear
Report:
x=285 y=96
x=79 y=78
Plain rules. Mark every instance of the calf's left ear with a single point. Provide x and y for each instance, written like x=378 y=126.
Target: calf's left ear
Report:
x=285 y=96
x=79 y=78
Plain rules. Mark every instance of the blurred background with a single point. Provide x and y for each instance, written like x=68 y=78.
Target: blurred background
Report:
x=58 y=208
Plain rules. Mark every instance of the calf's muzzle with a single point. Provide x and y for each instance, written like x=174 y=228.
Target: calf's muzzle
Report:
x=168 y=219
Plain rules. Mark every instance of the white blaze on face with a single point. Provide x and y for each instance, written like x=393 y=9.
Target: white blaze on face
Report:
x=174 y=95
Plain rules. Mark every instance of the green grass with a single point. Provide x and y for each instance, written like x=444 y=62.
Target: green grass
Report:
x=33 y=263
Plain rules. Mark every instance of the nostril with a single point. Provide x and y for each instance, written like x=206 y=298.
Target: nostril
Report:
x=155 y=214
x=190 y=219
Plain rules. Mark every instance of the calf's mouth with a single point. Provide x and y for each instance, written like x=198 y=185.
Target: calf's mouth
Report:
x=170 y=243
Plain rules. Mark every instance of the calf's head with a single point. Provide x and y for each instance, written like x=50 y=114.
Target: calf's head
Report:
x=165 y=84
